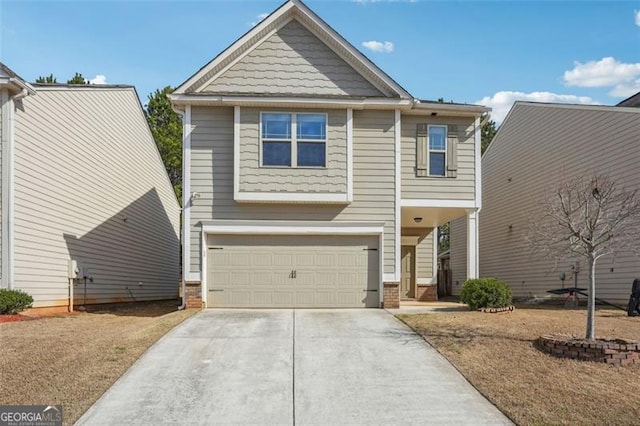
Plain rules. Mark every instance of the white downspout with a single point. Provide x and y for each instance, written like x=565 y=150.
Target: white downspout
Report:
x=11 y=144
x=184 y=282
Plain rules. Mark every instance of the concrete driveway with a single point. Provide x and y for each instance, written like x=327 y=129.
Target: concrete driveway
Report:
x=292 y=367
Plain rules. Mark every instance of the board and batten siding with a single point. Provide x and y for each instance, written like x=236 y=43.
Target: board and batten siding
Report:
x=458 y=253
x=538 y=146
x=292 y=61
x=90 y=186
x=461 y=187
x=212 y=177
x=332 y=179
x=424 y=257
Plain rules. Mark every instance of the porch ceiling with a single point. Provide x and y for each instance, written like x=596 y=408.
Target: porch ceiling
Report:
x=431 y=216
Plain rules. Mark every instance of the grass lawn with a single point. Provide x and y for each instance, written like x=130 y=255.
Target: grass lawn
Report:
x=495 y=353
x=73 y=359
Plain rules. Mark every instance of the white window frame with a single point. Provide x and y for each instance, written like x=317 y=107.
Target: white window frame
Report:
x=429 y=150
x=294 y=139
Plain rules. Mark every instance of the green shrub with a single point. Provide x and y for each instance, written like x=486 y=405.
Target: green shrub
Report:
x=14 y=301
x=486 y=293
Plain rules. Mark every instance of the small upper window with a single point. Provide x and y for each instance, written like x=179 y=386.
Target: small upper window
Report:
x=294 y=140
x=437 y=150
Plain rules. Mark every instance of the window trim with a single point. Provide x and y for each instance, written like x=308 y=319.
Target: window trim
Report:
x=444 y=151
x=294 y=139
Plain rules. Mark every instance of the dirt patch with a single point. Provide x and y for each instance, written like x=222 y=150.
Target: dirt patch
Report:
x=496 y=354
x=73 y=359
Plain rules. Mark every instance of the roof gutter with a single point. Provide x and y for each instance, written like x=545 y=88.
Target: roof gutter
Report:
x=27 y=89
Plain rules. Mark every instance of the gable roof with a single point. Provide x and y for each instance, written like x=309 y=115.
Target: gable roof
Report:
x=13 y=80
x=631 y=101
x=565 y=119
x=293 y=10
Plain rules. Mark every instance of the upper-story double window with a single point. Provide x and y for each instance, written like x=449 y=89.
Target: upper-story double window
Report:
x=293 y=140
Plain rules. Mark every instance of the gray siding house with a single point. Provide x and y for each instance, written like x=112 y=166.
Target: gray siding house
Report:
x=537 y=146
x=312 y=179
x=82 y=180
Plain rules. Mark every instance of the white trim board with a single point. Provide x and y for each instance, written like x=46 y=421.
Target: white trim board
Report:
x=291 y=197
x=289 y=102
x=186 y=193
x=478 y=163
x=461 y=204
x=349 y=155
x=236 y=152
x=290 y=228
x=6 y=202
x=397 y=136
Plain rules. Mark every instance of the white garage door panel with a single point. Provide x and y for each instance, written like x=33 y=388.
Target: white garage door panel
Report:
x=257 y=271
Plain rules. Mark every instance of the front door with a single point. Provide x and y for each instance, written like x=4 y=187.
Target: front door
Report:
x=407 y=271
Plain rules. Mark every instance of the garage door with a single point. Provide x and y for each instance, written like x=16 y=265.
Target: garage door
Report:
x=292 y=271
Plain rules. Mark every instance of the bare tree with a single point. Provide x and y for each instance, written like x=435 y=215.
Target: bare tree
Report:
x=588 y=217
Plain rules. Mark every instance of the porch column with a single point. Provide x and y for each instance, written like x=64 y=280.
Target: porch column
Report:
x=472 y=244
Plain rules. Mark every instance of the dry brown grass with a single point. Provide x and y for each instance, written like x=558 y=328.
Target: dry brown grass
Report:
x=495 y=353
x=73 y=359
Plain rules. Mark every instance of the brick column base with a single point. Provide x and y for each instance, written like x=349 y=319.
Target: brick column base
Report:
x=427 y=292
x=194 y=295
x=391 y=296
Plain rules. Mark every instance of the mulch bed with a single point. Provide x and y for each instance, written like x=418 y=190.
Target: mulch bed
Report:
x=16 y=318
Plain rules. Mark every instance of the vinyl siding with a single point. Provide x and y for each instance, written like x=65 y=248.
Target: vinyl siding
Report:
x=537 y=147
x=4 y=103
x=462 y=187
x=91 y=186
x=212 y=177
x=424 y=257
x=292 y=62
x=332 y=179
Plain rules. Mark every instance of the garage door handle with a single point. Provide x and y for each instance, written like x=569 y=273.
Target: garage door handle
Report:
x=370 y=249
x=216 y=289
x=370 y=290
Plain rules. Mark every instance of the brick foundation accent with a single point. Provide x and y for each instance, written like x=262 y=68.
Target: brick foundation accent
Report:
x=616 y=352
x=194 y=295
x=391 y=296
x=427 y=292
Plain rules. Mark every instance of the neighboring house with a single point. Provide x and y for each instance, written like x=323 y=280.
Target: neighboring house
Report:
x=312 y=179
x=83 y=180
x=631 y=101
x=538 y=146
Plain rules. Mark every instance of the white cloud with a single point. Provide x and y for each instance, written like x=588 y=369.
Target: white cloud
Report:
x=378 y=46
x=607 y=72
x=98 y=79
x=501 y=102
x=626 y=89
x=637 y=15
x=260 y=18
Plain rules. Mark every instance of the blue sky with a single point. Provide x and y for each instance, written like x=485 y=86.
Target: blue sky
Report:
x=490 y=52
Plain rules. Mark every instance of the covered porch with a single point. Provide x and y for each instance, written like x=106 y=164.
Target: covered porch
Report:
x=419 y=249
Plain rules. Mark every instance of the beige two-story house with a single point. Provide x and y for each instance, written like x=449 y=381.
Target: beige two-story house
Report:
x=312 y=178
x=88 y=214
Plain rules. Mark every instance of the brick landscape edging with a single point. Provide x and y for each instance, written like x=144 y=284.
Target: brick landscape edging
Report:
x=497 y=310
x=616 y=352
